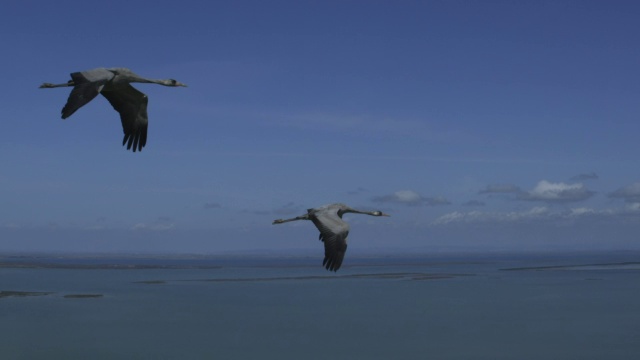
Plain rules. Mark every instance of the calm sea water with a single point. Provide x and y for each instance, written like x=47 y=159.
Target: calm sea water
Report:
x=393 y=308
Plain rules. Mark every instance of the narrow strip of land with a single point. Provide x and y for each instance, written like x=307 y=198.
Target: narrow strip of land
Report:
x=634 y=265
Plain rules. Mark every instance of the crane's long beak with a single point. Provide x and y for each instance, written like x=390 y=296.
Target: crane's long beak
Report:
x=383 y=214
x=180 y=84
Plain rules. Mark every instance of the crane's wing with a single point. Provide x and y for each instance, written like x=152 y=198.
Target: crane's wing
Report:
x=132 y=106
x=87 y=85
x=333 y=233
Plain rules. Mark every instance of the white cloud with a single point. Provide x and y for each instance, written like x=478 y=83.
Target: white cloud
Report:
x=557 y=192
x=544 y=191
x=407 y=196
x=481 y=216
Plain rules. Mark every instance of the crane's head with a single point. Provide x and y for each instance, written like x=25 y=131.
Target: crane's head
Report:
x=345 y=209
x=379 y=213
x=173 y=82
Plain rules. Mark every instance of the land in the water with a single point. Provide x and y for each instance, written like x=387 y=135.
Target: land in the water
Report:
x=83 y=296
x=22 y=294
x=10 y=293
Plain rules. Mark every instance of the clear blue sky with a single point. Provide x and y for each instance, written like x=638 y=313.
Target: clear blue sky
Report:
x=478 y=125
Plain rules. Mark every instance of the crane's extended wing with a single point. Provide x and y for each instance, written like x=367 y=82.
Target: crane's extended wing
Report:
x=87 y=85
x=333 y=232
x=132 y=106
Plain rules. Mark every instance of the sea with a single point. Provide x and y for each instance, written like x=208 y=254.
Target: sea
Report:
x=418 y=306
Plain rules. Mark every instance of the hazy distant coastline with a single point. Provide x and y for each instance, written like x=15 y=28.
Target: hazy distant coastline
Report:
x=627 y=265
x=22 y=294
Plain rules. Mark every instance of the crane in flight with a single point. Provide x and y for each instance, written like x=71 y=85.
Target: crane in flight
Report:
x=115 y=85
x=333 y=230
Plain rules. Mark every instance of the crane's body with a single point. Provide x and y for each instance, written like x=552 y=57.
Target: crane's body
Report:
x=115 y=85
x=333 y=230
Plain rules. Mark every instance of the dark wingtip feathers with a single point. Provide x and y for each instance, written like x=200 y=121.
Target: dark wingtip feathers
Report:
x=135 y=142
x=330 y=265
x=67 y=111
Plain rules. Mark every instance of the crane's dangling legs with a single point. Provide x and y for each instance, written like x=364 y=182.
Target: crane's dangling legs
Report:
x=301 y=217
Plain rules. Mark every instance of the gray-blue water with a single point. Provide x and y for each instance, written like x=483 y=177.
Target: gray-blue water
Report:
x=406 y=308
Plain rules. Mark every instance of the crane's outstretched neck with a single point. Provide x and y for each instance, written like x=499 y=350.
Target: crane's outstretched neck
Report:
x=301 y=217
x=49 y=85
x=165 y=82
x=372 y=213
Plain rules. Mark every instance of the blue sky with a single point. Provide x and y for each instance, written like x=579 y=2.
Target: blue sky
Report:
x=478 y=125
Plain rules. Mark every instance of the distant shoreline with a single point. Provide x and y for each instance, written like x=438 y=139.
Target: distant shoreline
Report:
x=537 y=261
x=106 y=266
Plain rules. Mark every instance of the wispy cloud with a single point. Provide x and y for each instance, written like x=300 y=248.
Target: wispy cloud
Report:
x=409 y=197
x=473 y=203
x=501 y=189
x=629 y=193
x=99 y=224
x=586 y=176
x=287 y=209
x=212 y=205
x=538 y=213
x=162 y=223
x=256 y=212
x=481 y=216
x=360 y=122
x=357 y=191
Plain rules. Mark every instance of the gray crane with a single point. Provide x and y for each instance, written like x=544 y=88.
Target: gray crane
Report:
x=333 y=230
x=114 y=85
